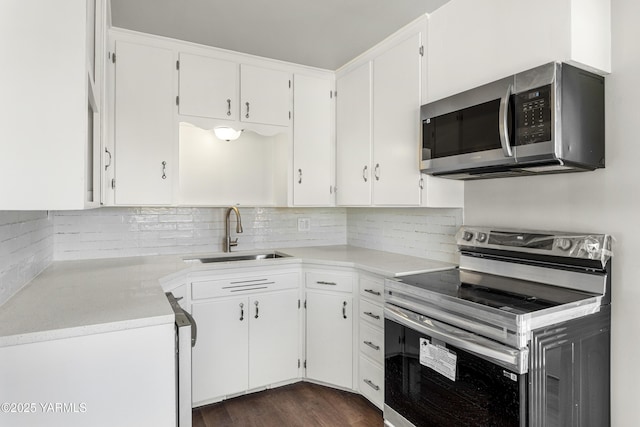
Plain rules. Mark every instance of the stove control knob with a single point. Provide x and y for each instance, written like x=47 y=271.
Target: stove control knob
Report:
x=481 y=237
x=467 y=236
x=564 y=244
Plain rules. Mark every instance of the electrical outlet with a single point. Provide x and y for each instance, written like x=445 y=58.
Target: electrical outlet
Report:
x=304 y=224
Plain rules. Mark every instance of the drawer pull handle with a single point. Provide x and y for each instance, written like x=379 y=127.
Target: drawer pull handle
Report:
x=371 y=384
x=370 y=314
x=241 y=312
x=321 y=282
x=371 y=291
x=344 y=309
x=257 y=308
x=372 y=345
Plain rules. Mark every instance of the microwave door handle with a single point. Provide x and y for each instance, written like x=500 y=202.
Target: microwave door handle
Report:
x=504 y=124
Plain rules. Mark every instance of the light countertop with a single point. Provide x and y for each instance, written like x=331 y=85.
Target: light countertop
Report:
x=75 y=298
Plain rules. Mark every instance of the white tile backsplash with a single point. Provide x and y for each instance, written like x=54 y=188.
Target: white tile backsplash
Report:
x=26 y=248
x=117 y=232
x=30 y=241
x=421 y=232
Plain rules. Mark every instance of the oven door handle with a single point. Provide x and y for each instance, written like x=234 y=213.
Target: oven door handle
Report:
x=516 y=360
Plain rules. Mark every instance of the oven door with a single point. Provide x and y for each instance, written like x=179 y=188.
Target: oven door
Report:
x=439 y=375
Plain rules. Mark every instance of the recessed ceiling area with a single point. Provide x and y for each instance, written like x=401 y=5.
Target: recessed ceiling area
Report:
x=319 y=33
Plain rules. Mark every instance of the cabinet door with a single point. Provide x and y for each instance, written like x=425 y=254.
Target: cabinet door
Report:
x=208 y=87
x=353 y=137
x=330 y=338
x=273 y=338
x=220 y=357
x=144 y=125
x=265 y=96
x=312 y=142
x=396 y=124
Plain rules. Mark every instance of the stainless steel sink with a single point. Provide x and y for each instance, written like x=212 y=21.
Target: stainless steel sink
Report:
x=237 y=257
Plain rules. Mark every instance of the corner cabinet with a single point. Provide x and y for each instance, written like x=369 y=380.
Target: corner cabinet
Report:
x=313 y=171
x=248 y=333
x=378 y=128
x=144 y=127
x=329 y=315
x=51 y=114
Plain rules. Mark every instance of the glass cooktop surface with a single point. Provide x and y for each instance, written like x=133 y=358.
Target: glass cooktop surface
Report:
x=507 y=294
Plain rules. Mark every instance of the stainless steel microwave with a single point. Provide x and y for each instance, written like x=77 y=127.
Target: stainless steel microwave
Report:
x=549 y=119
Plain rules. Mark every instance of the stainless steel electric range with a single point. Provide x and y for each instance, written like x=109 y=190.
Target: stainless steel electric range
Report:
x=518 y=335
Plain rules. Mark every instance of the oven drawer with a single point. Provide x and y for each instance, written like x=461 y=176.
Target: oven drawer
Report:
x=372 y=288
x=372 y=343
x=371 y=381
x=371 y=313
x=329 y=281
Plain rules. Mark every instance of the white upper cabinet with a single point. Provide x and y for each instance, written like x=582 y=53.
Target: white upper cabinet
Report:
x=353 y=137
x=313 y=141
x=396 y=123
x=208 y=87
x=145 y=136
x=50 y=117
x=472 y=43
x=265 y=96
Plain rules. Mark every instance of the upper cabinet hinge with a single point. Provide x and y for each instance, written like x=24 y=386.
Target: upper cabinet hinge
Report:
x=305 y=364
x=298 y=363
x=298 y=303
x=305 y=304
x=177 y=100
x=289 y=84
x=177 y=65
x=113 y=57
x=113 y=183
x=421 y=50
x=289 y=115
x=335 y=93
x=331 y=94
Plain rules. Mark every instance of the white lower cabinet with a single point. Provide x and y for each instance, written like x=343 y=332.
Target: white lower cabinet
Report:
x=118 y=378
x=244 y=341
x=371 y=339
x=329 y=327
x=221 y=355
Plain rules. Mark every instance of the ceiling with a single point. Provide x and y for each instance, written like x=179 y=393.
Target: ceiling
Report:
x=319 y=33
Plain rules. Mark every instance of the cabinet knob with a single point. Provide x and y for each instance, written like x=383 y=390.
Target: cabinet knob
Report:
x=164 y=170
x=247 y=115
x=257 y=308
x=241 y=312
x=376 y=172
x=228 y=107
x=364 y=173
x=344 y=309
x=299 y=176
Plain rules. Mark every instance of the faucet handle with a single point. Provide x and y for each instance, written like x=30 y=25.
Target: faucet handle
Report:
x=233 y=242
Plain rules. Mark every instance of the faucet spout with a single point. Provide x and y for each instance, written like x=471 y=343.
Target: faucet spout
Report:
x=228 y=243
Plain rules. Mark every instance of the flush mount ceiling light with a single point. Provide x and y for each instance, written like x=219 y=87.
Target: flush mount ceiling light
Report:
x=227 y=133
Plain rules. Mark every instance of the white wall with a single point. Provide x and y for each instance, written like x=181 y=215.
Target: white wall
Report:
x=26 y=248
x=605 y=201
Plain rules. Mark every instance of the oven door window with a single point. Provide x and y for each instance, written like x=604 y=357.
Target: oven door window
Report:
x=475 y=392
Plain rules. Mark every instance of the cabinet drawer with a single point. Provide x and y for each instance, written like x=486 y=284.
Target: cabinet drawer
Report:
x=371 y=381
x=330 y=281
x=372 y=288
x=372 y=313
x=372 y=343
x=240 y=285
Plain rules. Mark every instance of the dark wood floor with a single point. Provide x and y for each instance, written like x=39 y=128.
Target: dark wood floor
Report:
x=300 y=404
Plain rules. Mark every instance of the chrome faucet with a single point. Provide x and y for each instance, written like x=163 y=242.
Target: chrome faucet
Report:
x=228 y=243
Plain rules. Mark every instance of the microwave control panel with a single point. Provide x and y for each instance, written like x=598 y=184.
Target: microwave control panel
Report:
x=533 y=116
